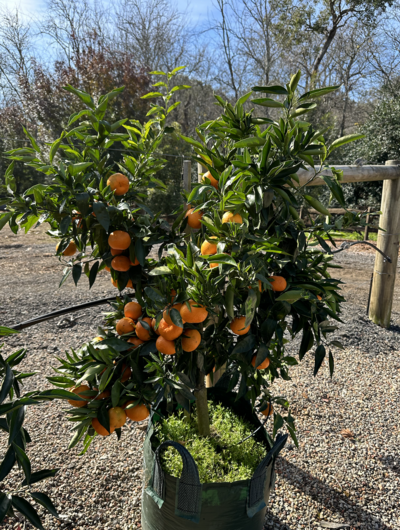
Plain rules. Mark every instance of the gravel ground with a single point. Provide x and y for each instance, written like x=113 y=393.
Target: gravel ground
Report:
x=346 y=469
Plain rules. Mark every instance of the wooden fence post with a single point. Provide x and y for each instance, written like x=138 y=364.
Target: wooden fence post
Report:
x=200 y=171
x=388 y=243
x=366 y=230
x=187 y=175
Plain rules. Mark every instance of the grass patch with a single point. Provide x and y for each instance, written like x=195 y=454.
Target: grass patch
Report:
x=352 y=236
x=236 y=462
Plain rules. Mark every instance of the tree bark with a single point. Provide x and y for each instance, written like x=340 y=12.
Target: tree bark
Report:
x=328 y=41
x=203 y=418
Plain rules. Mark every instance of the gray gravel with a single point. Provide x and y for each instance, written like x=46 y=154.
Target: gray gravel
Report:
x=351 y=478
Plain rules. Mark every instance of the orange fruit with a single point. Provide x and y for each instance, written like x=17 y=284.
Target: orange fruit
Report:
x=97 y=339
x=194 y=218
x=262 y=366
x=100 y=429
x=105 y=394
x=166 y=313
x=153 y=326
x=106 y=268
x=228 y=217
x=169 y=331
x=213 y=265
x=214 y=182
x=191 y=339
x=173 y=294
x=133 y=310
x=70 y=250
x=196 y=314
x=135 y=263
x=319 y=297
x=141 y=331
x=135 y=341
x=125 y=325
x=117 y=417
x=237 y=326
x=78 y=391
x=208 y=249
x=118 y=183
x=116 y=252
x=136 y=413
x=121 y=264
x=167 y=347
x=278 y=283
x=126 y=373
x=268 y=411
x=260 y=288
x=119 y=240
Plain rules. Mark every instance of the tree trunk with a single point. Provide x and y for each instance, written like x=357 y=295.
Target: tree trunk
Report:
x=343 y=122
x=203 y=418
x=322 y=53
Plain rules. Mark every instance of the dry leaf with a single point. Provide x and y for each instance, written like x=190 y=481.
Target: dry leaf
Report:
x=346 y=433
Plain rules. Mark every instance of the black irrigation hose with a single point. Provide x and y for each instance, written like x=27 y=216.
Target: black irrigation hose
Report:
x=61 y=312
x=344 y=246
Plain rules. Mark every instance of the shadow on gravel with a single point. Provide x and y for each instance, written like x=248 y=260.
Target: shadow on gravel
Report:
x=328 y=497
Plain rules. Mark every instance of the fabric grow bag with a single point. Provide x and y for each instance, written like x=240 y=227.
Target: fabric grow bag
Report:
x=170 y=503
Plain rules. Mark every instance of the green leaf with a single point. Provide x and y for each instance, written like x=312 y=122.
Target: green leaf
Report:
x=67 y=272
x=345 y=140
x=38 y=476
x=250 y=307
x=244 y=345
x=102 y=215
x=4 y=218
x=5 y=504
x=83 y=96
x=155 y=295
x=294 y=81
x=32 y=140
x=229 y=296
x=139 y=251
x=115 y=393
x=160 y=271
x=316 y=204
x=267 y=102
x=319 y=357
x=15 y=424
x=23 y=461
x=7 y=463
x=53 y=149
x=26 y=509
x=273 y=89
x=331 y=364
x=74 y=169
x=290 y=296
x=7 y=383
x=152 y=95
x=254 y=141
x=76 y=272
x=192 y=142
x=93 y=273
x=222 y=258
x=262 y=354
x=176 y=317
x=268 y=328
x=319 y=92
x=45 y=501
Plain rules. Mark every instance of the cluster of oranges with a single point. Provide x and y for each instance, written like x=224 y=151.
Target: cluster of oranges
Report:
x=167 y=331
x=117 y=415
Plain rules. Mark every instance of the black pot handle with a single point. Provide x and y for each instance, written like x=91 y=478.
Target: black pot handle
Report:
x=188 y=494
x=255 y=500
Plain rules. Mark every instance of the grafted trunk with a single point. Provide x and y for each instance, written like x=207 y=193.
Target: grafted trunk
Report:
x=203 y=418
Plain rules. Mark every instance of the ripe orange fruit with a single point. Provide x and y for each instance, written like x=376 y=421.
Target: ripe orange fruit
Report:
x=126 y=373
x=100 y=429
x=118 y=183
x=153 y=326
x=121 y=263
x=208 y=249
x=319 y=297
x=173 y=294
x=196 y=314
x=167 y=347
x=278 y=283
x=214 y=182
x=228 y=217
x=125 y=325
x=166 y=313
x=105 y=394
x=237 y=326
x=106 y=268
x=135 y=341
x=133 y=310
x=268 y=411
x=119 y=240
x=262 y=366
x=78 y=391
x=169 y=331
x=194 y=218
x=191 y=339
x=135 y=263
x=141 y=331
x=117 y=417
x=260 y=288
x=116 y=252
x=136 y=413
x=115 y=283
x=70 y=250
x=213 y=265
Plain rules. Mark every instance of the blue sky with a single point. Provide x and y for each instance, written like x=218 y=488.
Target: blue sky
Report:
x=34 y=8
